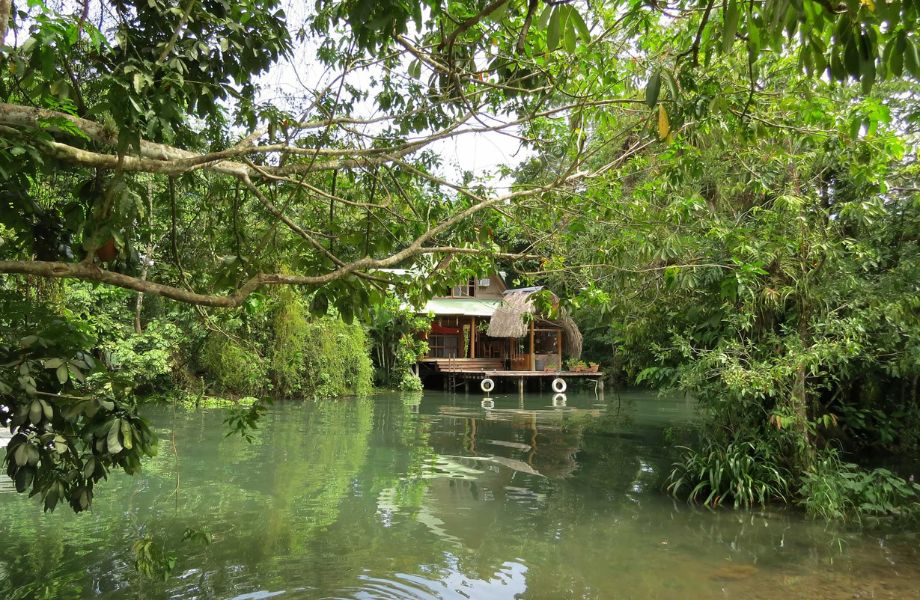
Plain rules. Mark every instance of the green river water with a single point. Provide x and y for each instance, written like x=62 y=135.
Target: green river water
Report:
x=435 y=496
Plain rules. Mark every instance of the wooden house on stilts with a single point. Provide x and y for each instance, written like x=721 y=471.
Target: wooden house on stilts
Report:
x=483 y=330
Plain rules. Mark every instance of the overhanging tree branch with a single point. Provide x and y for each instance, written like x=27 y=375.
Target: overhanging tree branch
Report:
x=90 y=272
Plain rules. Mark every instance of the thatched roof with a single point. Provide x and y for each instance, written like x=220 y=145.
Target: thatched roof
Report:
x=571 y=335
x=508 y=319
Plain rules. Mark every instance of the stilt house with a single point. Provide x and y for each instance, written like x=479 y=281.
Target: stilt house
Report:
x=483 y=325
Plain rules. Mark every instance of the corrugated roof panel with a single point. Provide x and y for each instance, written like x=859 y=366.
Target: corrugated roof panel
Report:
x=469 y=307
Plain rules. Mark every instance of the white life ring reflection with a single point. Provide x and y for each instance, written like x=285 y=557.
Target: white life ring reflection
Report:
x=488 y=403
x=559 y=400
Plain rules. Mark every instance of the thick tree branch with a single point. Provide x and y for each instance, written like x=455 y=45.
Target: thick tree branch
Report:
x=5 y=9
x=168 y=160
x=528 y=19
x=90 y=272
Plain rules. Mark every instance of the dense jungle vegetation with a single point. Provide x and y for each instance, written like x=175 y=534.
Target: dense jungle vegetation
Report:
x=723 y=193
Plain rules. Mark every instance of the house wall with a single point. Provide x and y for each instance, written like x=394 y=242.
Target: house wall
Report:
x=493 y=291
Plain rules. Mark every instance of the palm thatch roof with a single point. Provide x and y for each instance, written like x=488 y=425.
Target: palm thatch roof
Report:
x=571 y=335
x=510 y=320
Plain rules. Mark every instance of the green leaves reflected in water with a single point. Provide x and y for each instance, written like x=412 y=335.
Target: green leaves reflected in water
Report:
x=426 y=496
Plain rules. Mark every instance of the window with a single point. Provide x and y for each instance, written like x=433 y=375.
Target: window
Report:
x=546 y=341
x=442 y=346
x=463 y=291
x=444 y=339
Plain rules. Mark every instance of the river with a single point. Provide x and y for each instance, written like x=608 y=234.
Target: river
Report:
x=435 y=496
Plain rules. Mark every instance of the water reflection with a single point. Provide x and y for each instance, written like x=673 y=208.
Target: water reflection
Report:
x=437 y=496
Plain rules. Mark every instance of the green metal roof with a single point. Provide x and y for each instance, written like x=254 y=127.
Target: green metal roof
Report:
x=469 y=307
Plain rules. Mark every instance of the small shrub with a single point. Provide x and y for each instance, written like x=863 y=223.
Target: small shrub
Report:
x=740 y=472
x=837 y=490
x=234 y=368
x=410 y=382
x=145 y=358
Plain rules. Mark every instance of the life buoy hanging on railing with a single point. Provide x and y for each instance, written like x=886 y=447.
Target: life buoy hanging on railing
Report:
x=487 y=385
x=559 y=385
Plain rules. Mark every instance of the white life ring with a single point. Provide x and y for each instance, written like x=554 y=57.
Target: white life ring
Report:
x=487 y=385
x=559 y=385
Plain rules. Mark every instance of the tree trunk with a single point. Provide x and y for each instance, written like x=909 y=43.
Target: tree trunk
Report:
x=805 y=452
x=5 y=7
x=139 y=303
x=148 y=260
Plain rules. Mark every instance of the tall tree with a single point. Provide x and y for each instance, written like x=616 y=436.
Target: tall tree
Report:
x=128 y=123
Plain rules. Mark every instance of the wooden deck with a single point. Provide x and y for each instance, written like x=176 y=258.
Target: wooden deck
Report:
x=463 y=372
x=496 y=374
x=454 y=365
x=455 y=378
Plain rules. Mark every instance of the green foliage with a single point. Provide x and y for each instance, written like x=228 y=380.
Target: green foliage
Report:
x=244 y=418
x=749 y=233
x=742 y=473
x=396 y=344
x=152 y=560
x=233 y=367
x=193 y=402
x=763 y=259
x=316 y=357
x=146 y=358
x=72 y=422
x=289 y=348
x=837 y=490
x=337 y=361
x=197 y=534
x=410 y=382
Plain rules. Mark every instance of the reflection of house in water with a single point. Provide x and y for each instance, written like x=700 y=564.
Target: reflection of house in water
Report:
x=507 y=484
x=491 y=459
x=537 y=442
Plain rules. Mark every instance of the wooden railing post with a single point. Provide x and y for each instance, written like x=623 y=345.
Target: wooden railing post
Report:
x=533 y=366
x=472 y=337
